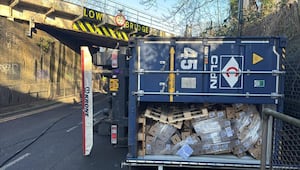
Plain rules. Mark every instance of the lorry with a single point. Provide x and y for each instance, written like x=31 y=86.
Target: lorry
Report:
x=196 y=102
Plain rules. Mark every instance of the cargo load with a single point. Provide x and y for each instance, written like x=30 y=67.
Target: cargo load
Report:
x=198 y=101
x=201 y=131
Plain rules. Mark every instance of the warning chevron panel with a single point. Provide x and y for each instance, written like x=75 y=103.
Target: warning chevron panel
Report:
x=100 y=30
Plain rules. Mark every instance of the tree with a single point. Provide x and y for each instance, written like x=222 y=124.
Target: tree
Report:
x=200 y=15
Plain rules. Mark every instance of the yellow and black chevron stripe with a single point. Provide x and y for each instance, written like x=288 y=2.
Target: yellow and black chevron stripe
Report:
x=102 y=30
x=284 y=58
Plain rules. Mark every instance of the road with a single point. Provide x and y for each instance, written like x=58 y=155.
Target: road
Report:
x=51 y=139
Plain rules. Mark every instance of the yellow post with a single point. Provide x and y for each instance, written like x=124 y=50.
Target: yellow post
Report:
x=172 y=75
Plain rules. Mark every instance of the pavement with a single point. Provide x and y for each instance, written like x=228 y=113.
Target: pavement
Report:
x=15 y=109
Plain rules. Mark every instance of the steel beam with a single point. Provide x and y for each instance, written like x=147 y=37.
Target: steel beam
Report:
x=14 y=3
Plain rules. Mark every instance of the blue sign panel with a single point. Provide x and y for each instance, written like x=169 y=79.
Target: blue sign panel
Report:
x=217 y=70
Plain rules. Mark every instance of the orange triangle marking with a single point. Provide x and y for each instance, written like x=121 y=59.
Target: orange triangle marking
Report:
x=256 y=58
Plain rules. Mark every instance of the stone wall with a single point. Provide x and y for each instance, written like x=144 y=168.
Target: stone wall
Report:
x=36 y=67
x=285 y=21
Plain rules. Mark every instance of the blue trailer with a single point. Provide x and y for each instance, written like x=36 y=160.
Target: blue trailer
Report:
x=173 y=72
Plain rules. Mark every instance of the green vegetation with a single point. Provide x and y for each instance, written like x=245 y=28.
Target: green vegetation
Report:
x=253 y=13
x=44 y=44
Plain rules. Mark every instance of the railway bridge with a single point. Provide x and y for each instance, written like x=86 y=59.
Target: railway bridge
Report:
x=99 y=22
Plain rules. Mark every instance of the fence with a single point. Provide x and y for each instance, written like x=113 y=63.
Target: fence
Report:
x=286 y=145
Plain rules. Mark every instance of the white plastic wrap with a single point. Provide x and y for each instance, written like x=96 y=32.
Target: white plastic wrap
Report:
x=158 y=140
x=248 y=127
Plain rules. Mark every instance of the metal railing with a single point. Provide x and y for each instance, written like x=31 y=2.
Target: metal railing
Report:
x=112 y=8
x=266 y=114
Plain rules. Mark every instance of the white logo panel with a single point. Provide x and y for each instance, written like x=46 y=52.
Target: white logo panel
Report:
x=231 y=78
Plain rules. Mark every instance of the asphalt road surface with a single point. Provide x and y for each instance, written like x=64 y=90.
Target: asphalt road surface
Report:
x=51 y=139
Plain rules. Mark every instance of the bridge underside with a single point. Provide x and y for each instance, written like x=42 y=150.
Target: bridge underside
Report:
x=74 y=24
x=76 y=39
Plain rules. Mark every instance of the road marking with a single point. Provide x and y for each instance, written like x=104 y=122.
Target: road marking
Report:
x=80 y=123
x=72 y=128
x=15 y=161
x=96 y=114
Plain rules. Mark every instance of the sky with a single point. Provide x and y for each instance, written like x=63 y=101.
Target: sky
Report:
x=153 y=15
x=210 y=12
x=156 y=11
x=138 y=13
x=163 y=6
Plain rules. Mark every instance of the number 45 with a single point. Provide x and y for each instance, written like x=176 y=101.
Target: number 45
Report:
x=189 y=59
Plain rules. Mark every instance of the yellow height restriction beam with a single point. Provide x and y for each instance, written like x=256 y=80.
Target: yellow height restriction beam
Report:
x=100 y=30
x=172 y=74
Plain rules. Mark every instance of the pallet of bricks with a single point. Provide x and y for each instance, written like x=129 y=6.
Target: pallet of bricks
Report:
x=198 y=130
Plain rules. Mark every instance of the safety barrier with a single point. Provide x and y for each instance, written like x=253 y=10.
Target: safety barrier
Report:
x=278 y=151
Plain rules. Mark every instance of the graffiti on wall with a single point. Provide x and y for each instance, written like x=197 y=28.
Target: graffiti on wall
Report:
x=42 y=74
x=10 y=39
x=11 y=70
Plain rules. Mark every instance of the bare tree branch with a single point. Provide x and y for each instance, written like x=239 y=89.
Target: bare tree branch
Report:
x=197 y=13
x=148 y=3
